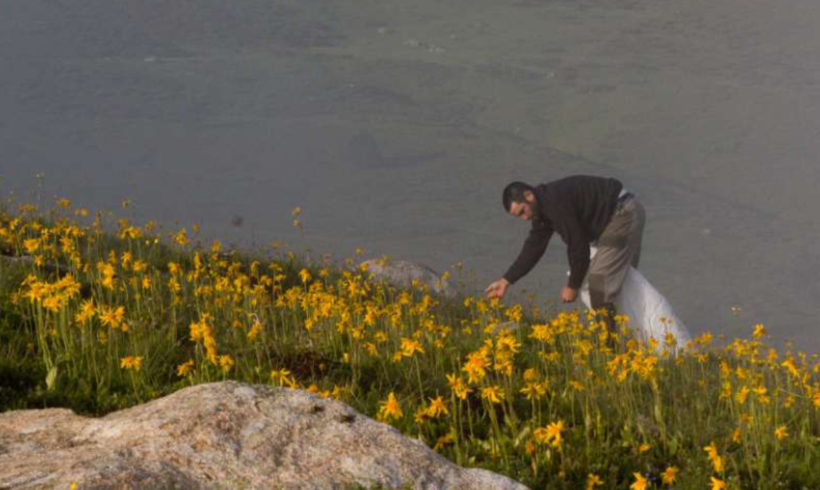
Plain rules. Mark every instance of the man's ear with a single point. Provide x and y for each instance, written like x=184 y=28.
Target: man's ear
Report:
x=529 y=196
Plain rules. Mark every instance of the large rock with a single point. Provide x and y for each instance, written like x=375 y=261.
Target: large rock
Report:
x=402 y=273
x=223 y=435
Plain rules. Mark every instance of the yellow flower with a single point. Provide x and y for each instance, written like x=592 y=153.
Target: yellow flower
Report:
x=718 y=484
x=534 y=390
x=409 y=347
x=131 y=362
x=736 y=435
x=531 y=374
x=181 y=237
x=781 y=433
x=593 y=481
x=717 y=461
x=492 y=393
x=256 y=327
x=111 y=317
x=669 y=475
x=108 y=274
x=476 y=366
x=760 y=331
x=390 y=409
x=550 y=434
x=640 y=482
x=444 y=440
x=201 y=332
x=281 y=376
x=460 y=389
x=226 y=362
x=437 y=408
x=742 y=394
x=87 y=311
x=304 y=276
x=185 y=368
x=644 y=447
x=762 y=394
x=31 y=245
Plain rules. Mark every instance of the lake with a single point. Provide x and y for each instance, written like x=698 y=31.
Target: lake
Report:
x=395 y=125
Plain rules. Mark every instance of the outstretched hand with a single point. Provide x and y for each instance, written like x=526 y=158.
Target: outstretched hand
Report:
x=568 y=294
x=497 y=289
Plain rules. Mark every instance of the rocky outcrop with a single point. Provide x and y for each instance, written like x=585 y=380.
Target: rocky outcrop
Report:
x=402 y=274
x=223 y=435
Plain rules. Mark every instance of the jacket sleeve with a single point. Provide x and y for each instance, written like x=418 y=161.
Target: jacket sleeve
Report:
x=534 y=247
x=577 y=250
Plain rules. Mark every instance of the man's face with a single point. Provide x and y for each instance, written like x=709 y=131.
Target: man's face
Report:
x=525 y=210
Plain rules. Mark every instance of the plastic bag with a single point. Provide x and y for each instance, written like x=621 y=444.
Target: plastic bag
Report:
x=650 y=314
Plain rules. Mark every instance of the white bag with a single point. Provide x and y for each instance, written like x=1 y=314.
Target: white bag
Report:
x=650 y=315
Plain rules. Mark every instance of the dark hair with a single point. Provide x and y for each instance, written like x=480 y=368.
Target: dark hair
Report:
x=514 y=192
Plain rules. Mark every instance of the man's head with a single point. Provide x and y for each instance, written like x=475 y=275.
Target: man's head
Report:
x=519 y=200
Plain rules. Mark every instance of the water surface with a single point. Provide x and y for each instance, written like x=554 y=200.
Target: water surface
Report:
x=395 y=124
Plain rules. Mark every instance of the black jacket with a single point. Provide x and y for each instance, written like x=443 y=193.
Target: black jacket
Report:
x=578 y=208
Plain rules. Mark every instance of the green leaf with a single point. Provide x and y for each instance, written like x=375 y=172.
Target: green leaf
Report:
x=51 y=378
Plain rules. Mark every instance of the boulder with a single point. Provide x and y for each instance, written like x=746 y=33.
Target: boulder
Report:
x=224 y=435
x=401 y=273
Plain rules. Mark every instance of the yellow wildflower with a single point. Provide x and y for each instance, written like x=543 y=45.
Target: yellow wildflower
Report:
x=437 y=408
x=181 y=237
x=460 y=389
x=492 y=393
x=717 y=461
x=551 y=434
x=530 y=374
x=736 y=435
x=281 y=376
x=226 y=362
x=593 y=481
x=87 y=311
x=256 y=327
x=111 y=317
x=444 y=440
x=781 y=433
x=669 y=474
x=476 y=366
x=107 y=274
x=640 y=482
x=718 y=484
x=185 y=368
x=31 y=245
x=390 y=409
x=409 y=347
x=534 y=390
x=131 y=362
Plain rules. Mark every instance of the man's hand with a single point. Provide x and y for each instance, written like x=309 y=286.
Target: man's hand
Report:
x=568 y=294
x=497 y=289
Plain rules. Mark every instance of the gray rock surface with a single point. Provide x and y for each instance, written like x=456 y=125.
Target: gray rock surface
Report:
x=402 y=273
x=223 y=435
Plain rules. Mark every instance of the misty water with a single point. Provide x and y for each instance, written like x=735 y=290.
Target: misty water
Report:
x=395 y=124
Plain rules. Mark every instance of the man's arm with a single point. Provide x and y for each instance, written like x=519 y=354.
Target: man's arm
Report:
x=534 y=247
x=577 y=250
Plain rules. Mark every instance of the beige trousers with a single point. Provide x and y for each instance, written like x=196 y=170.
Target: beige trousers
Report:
x=619 y=247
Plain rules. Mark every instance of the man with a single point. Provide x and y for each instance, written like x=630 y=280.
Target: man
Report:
x=583 y=210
